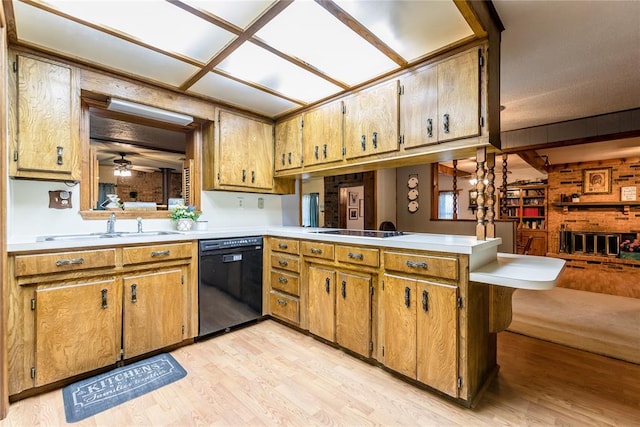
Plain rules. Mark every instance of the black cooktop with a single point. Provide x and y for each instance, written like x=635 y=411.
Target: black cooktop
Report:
x=364 y=233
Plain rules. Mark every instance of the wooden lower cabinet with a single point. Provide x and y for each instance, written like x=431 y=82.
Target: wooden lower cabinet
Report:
x=353 y=312
x=66 y=319
x=322 y=292
x=77 y=328
x=420 y=331
x=152 y=311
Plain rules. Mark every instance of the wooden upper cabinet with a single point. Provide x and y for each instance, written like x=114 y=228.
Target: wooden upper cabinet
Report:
x=288 y=144
x=371 y=121
x=245 y=152
x=441 y=102
x=322 y=134
x=459 y=96
x=419 y=108
x=45 y=120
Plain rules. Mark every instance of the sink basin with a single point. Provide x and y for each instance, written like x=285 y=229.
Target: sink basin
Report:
x=146 y=233
x=104 y=235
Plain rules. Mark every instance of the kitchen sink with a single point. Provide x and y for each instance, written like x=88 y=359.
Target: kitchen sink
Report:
x=104 y=235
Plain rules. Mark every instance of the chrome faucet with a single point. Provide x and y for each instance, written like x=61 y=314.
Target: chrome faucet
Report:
x=139 y=219
x=111 y=223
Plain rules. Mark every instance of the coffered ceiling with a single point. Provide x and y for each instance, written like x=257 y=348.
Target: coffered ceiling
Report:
x=268 y=57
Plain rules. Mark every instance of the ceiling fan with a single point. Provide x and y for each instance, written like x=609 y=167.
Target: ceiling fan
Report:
x=123 y=166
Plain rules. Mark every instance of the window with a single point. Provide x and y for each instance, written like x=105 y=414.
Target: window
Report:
x=445 y=205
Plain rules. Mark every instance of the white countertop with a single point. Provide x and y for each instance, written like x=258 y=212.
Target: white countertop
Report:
x=520 y=271
x=485 y=264
x=419 y=241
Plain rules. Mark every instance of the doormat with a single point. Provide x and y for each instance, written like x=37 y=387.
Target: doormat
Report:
x=96 y=394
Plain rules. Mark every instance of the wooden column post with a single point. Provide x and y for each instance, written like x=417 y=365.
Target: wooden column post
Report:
x=490 y=196
x=455 y=189
x=481 y=157
x=503 y=190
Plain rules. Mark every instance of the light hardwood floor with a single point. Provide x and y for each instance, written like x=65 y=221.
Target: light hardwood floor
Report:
x=268 y=374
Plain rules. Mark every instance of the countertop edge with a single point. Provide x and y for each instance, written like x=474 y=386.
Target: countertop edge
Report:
x=510 y=270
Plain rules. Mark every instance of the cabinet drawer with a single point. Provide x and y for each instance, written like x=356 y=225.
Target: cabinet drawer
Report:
x=155 y=253
x=360 y=256
x=285 y=307
x=285 y=245
x=425 y=265
x=285 y=282
x=26 y=265
x=317 y=249
x=285 y=262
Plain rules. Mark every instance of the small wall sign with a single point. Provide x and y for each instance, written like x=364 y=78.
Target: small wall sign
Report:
x=628 y=194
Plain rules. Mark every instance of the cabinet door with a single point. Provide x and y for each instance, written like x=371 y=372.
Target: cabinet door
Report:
x=437 y=336
x=322 y=288
x=322 y=134
x=459 y=96
x=153 y=310
x=371 y=121
x=288 y=144
x=245 y=149
x=77 y=329
x=399 y=328
x=353 y=313
x=419 y=108
x=47 y=113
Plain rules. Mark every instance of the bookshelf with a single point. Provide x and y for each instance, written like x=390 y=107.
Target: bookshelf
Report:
x=527 y=205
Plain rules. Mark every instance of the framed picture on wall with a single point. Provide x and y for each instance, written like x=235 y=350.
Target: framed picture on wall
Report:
x=596 y=181
x=353 y=213
x=353 y=198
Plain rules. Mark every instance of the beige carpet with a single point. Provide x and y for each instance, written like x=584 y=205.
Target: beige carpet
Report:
x=598 y=323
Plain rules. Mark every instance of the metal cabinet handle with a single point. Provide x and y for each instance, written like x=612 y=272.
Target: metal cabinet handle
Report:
x=283 y=279
x=289 y=157
x=283 y=163
x=160 y=253
x=425 y=301
x=283 y=245
x=407 y=296
x=414 y=264
x=283 y=263
x=59 y=152
x=72 y=261
x=134 y=293
x=327 y=285
x=324 y=151
x=253 y=177
x=355 y=256
x=445 y=123
x=104 y=299
x=363 y=142
x=344 y=289
x=316 y=250
x=430 y=128
x=244 y=175
x=374 y=140
x=281 y=301
x=315 y=152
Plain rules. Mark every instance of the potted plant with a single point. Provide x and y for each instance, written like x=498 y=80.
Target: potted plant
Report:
x=184 y=216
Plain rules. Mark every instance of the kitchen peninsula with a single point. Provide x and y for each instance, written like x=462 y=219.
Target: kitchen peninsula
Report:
x=414 y=304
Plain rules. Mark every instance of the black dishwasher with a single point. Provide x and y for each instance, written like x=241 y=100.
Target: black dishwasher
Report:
x=229 y=283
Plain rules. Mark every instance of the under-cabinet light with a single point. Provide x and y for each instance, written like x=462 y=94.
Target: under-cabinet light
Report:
x=148 y=112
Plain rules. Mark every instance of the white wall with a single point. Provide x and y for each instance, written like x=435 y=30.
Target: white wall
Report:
x=386 y=198
x=29 y=214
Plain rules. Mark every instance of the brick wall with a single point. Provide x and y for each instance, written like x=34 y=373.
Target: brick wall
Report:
x=148 y=185
x=567 y=179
